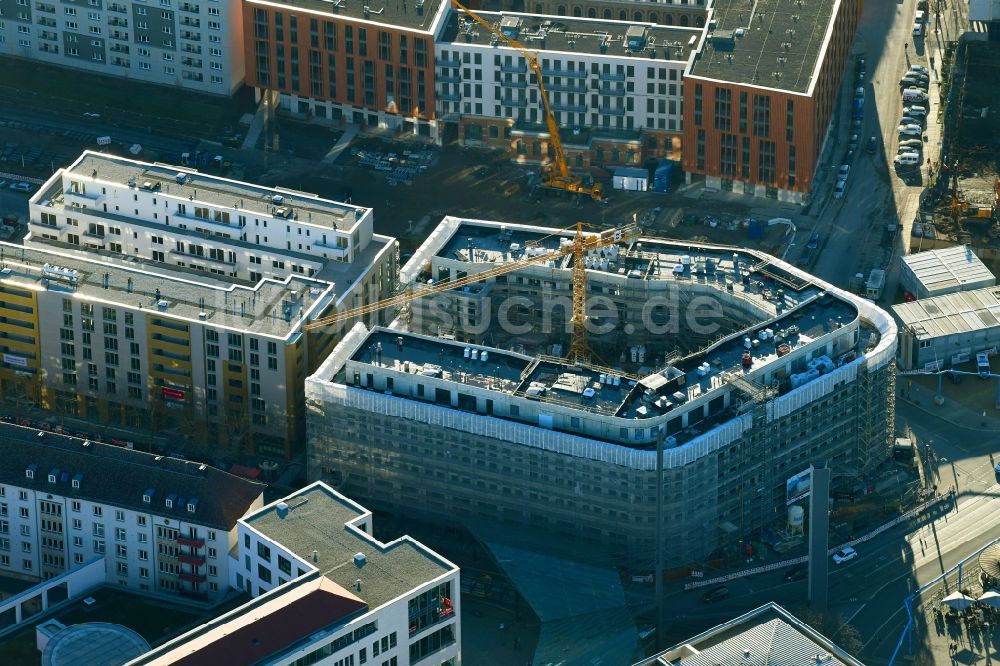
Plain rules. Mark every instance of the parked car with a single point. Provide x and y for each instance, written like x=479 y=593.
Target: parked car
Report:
x=918 y=29
x=856 y=125
x=913 y=82
x=919 y=69
x=813 y=242
x=908 y=120
x=915 y=145
x=838 y=189
x=845 y=554
x=872 y=146
x=907 y=159
x=716 y=594
x=798 y=572
x=854 y=142
x=914 y=95
x=910 y=130
x=22 y=187
x=859 y=92
x=915 y=110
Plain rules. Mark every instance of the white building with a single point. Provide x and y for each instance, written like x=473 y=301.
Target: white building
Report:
x=180 y=217
x=326 y=591
x=192 y=44
x=163 y=526
x=943 y=271
x=607 y=77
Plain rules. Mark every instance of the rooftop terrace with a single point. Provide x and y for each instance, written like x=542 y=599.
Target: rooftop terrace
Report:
x=317 y=522
x=565 y=34
x=415 y=15
x=767 y=43
x=241 y=197
x=271 y=307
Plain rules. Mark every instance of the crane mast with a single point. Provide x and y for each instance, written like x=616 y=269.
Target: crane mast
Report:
x=561 y=179
x=578 y=349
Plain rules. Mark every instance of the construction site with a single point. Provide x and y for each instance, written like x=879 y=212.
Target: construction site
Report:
x=962 y=203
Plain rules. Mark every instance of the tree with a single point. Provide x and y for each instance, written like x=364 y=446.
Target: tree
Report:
x=835 y=627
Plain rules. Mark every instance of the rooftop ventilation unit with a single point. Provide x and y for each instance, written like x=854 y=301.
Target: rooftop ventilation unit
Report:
x=281 y=508
x=180 y=177
x=360 y=560
x=277 y=199
x=510 y=27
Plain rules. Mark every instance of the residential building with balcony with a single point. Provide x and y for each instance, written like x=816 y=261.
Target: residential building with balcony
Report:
x=162 y=526
x=192 y=44
x=143 y=345
x=326 y=591
x=347 y=62
x=614 y=88
x=746 y=369
x=683 y=13
x=759 y=94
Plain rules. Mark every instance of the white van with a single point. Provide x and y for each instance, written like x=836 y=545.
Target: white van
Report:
x=914 y=95
x=907 y=159
x=915 y=111
x=910 y=130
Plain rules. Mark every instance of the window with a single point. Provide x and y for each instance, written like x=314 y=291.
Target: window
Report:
x=263 y=573
x=723 y=109
x=761 y=115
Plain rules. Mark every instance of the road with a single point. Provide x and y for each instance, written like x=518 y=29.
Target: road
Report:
x=869 y=591
x=853 y=226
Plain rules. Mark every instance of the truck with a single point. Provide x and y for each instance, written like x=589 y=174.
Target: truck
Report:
x=876 y=281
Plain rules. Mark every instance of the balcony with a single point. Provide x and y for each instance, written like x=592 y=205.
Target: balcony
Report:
x=610 y=76
x=570 y=108
x=115 y=7
x=81 y=198
x=188 y=48
x=191 y=578
x=580 y=87
x=449 y=78
x=612 y=92
x=190 y=543
x=508 y=101
x=191 y=36
x=611 y=111
x=575 y=74
x=193 y=560
x=191 y=62
x=48 y=9
x=190 y=22
x=120 y=62
x=336 y=250
x=115 y=34
x=446 y=62
x=119 y=48
x=449 y=97
x=47 y=22
x=193 y=9
x=514 y=69
x=514 y=83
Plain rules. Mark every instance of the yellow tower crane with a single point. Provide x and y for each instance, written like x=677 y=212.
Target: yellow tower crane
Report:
x=557 y=177
x=578 y=348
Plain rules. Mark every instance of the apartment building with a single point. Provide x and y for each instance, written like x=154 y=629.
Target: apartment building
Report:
x=162 y=526
x=346 y=61
x=683 y=13
x=614 y=88
x=180 y=217
x=480 y=419
x=145 y=346
x=326 y=591
x=759 y=94
x=193 y=44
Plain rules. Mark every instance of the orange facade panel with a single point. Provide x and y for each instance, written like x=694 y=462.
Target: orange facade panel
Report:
x=339 y=59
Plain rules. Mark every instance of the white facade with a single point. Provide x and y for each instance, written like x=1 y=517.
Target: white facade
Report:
x=230 y=228
x=604 y=89
x=263 y=563
x=43 y=534
x=192 y=44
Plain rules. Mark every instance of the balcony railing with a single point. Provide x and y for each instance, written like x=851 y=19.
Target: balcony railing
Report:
x=192 y=578
x=191 y=543
x=192 y=560
x=514 y=69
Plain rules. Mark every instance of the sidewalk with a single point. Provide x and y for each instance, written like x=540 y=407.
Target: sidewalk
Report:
x=952 y=411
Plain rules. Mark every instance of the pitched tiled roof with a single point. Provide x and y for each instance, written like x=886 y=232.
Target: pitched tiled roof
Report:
x=121 y=477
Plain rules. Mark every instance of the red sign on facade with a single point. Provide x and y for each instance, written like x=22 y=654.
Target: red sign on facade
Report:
x=175 y=394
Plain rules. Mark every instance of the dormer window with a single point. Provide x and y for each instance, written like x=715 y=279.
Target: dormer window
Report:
x=170 y=503
x=76 y=483
x=192 y=505
x=147 y=496
x=52 y=478
x=147 y=499
x=30 y=471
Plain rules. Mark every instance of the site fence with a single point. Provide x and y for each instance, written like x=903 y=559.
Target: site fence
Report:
x=774 y=566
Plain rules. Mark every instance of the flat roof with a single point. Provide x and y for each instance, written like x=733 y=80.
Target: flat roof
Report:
x=951 y=314
x=259 y=309
x=949 y=268
x=317 y=521
x=239 y=196
x=646 y=41
x=767 y=43
x=417 y=15
x=770 y=634
x=93 y=644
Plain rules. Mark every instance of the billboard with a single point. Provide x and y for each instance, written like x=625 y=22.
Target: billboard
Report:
x=798 y=487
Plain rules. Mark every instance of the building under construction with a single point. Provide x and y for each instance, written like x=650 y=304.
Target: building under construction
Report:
x=742 y=367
